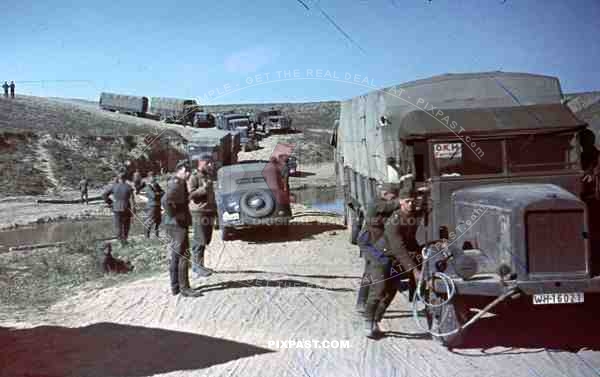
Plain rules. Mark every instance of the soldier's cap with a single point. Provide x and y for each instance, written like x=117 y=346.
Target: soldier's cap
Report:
x=182 y=164
x=390 y=187
x=203 y=157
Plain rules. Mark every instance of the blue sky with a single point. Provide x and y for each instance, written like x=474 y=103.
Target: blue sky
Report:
x=187 y=48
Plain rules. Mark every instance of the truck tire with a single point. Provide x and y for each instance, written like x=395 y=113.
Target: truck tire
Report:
x=447 y=318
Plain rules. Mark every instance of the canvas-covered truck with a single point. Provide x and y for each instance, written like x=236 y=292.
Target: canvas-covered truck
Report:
x=173 y=110
x=495 y=160
x=221 y=146
x=132 y=105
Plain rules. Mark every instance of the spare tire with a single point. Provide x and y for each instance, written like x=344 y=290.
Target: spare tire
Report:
x=257 y=203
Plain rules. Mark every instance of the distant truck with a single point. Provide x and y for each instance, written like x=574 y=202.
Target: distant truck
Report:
x=495 y=164
x=221 y=146
x=272 y=120
x=203 y=120
x=131 y=105
x=172 y=110
x=241 y=124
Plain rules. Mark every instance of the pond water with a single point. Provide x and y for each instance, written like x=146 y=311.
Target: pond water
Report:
x=322 y=199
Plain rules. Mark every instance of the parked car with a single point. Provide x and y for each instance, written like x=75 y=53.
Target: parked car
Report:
x=252 y=194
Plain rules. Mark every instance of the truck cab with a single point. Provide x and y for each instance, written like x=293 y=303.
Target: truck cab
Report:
x=499 y=188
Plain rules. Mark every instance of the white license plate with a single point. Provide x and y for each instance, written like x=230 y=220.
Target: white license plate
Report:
x=558 y=298
x=230 y=216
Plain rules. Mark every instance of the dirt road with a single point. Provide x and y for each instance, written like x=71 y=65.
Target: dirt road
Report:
x=269 y=289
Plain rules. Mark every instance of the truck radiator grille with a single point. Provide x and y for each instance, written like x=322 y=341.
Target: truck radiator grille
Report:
x=555 y=243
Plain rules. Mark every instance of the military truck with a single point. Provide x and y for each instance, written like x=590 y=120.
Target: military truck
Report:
x=241 y=124
x=203 y=120
x=272 y=120
x=122 y=103
x=221 y=146
x=251 y=194
x=495 y=163
x=173 y=110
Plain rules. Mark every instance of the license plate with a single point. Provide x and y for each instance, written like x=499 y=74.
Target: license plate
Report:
x=558 y=298
x=230 y=216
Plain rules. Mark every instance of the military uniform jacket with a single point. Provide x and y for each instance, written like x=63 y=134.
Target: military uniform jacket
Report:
x=202 y=196
x=401 y=240
x=176 y=203
x=154 y=193
x=122 y=196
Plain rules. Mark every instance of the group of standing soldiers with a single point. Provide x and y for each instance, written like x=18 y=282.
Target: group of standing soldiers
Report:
x=188 y=201
x=12 y=89
x=386 y=241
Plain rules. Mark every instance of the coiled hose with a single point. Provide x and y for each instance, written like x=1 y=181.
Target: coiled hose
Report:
x=450 y=292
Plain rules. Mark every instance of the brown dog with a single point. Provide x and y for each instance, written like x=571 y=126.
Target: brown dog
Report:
x=111 y=264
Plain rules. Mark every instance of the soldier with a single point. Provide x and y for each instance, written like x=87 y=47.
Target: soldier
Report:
x=123 y=206
x=377 y=213
x=5 y=87
x=177 y=219
x=137 y=181
x=154 y=194
x=12 y=89
x=83 y=189
x=386 y=248
x=202 y=208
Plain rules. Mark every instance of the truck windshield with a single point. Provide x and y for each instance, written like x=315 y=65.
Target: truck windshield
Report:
x=456 y=158
x=540 y=152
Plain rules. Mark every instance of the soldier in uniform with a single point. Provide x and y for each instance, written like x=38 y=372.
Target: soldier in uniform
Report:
x=377 y=213
x=387 y=248
x=202 y=208
x=177 y=219
x=123 y=206
x=83 y=189
x=154 y=194
x=5 y=87
x=12 y=89
x=137 y=181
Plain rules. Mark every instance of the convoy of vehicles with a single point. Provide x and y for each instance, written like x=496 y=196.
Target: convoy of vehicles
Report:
x=172 y=110
x=494 y=159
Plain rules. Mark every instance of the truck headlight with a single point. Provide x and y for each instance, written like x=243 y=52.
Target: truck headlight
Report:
x=232 y=206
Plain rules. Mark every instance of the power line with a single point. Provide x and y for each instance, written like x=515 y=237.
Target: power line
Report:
x=332 y=21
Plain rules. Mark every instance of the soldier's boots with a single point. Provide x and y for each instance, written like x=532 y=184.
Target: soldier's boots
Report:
x=372 y=330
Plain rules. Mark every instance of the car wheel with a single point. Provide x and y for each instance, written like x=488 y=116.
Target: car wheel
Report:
x=257 y=203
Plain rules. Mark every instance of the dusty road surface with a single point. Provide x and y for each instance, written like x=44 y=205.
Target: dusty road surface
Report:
x=271 y=289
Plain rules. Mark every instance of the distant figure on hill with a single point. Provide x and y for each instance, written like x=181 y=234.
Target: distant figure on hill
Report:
x=83 y=188
x=12 y=89
x=5 y=86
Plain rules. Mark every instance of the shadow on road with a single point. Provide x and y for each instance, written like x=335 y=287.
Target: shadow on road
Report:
x=294 y=232
x=520 y=324
x=110 y=349
x=287 y=274
x=275 y=283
